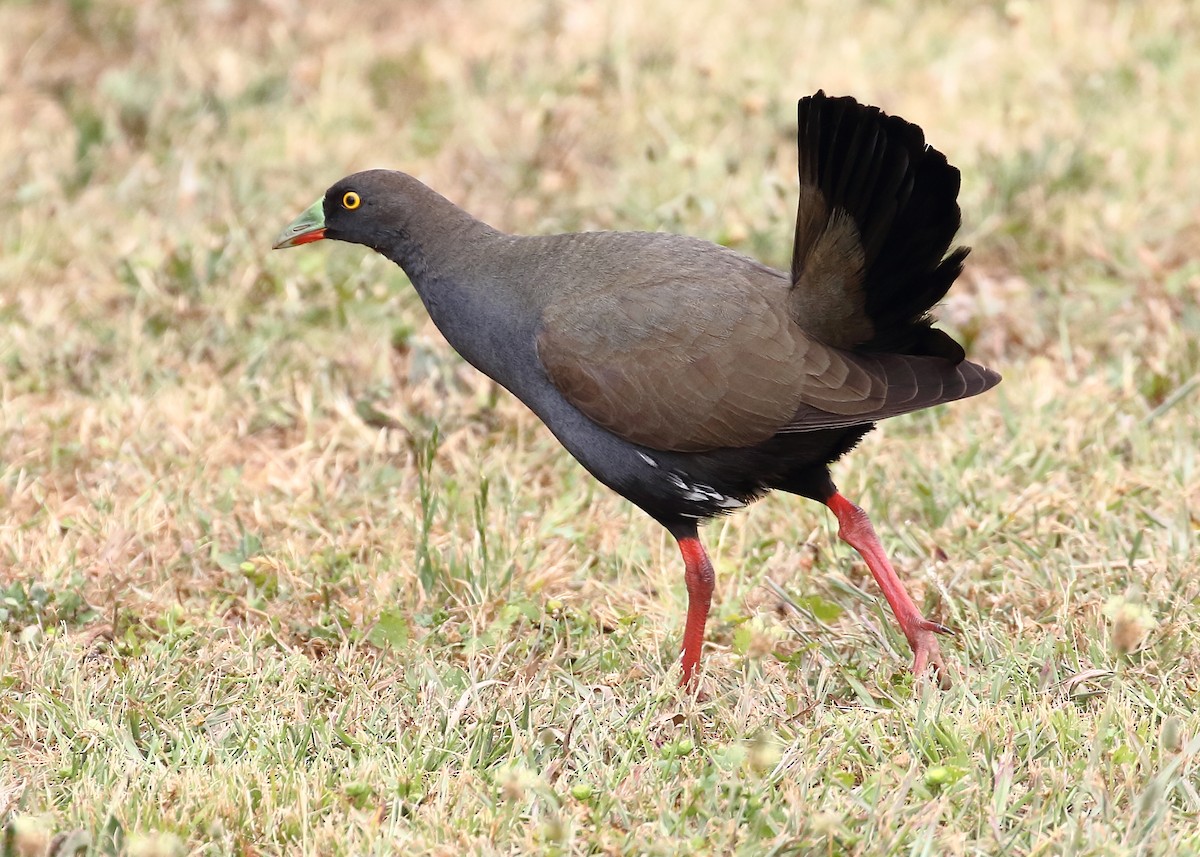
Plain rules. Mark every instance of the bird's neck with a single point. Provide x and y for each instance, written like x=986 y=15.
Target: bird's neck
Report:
x=462 y=270
x=434 y=238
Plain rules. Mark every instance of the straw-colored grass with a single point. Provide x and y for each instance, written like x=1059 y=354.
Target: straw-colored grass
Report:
x=279 y=574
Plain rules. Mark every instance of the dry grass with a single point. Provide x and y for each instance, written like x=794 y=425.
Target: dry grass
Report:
x=280 y=575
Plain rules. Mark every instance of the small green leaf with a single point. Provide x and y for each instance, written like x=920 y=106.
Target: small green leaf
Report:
x=390 y=630
x=742 y=637
x=822 y=610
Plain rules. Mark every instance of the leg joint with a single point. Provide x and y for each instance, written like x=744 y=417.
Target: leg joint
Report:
x=853 y=522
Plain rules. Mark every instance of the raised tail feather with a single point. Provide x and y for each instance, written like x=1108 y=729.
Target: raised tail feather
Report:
x=877 y=213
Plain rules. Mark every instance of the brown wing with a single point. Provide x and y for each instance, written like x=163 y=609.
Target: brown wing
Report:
x=676 y=364
x=904 y=384
x=706 y=356
x=686 y=346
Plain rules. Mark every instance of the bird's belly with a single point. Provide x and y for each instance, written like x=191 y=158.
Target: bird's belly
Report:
x=665 y=485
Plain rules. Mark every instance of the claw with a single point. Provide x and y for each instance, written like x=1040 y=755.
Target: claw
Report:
x=926 y=625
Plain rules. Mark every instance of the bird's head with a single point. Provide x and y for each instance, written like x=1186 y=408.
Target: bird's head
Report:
x=364 y=208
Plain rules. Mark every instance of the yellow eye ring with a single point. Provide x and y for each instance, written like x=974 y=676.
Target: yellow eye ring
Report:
x=350 y=200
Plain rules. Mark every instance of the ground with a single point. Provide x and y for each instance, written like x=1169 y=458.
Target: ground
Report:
x=279 y=574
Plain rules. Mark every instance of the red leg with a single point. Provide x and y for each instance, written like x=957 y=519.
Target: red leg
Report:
x=854 y=528
x=698 y=573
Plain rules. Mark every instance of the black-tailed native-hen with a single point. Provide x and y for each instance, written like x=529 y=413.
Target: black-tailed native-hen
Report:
x=685 y=376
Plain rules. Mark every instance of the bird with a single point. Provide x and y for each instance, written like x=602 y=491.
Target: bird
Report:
x=690 y=378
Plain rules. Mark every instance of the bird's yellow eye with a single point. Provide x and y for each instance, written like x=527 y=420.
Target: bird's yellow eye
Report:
x=351 y=200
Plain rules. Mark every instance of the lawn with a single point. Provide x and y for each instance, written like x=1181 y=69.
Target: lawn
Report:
x=280 y=574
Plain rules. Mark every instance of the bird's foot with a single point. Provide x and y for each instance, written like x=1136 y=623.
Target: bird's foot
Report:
x=921 y=634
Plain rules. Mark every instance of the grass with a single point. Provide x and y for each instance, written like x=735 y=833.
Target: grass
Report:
x=279 y=574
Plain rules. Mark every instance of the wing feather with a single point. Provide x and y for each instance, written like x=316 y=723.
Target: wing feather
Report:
x=696 y=351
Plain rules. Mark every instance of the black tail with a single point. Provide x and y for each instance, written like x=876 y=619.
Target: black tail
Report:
x=901 y=196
